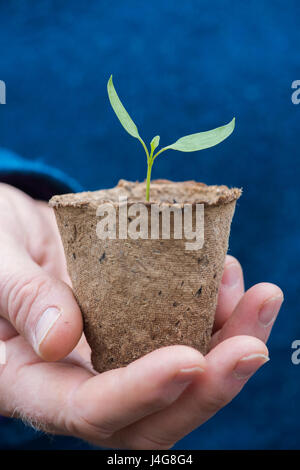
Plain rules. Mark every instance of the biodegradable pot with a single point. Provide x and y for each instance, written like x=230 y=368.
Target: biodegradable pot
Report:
x=137 y=295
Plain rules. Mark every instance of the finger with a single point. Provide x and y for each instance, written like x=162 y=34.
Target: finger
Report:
x=254 y=315
x=52 y=259
x=229 y=366
x=72 y=401
x=115 y=399
x=2 y=354
x=7 y=331
x=41 y=308
x=230 y=291
x=83 y=348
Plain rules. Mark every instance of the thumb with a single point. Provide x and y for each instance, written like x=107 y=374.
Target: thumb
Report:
x=40 y=307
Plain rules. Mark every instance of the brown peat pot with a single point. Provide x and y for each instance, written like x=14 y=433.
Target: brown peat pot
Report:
x=138 y=294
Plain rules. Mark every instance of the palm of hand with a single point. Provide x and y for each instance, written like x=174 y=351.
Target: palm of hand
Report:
x=151 y=403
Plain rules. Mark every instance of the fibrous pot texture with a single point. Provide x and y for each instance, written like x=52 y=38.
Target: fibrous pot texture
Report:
x=135 y=294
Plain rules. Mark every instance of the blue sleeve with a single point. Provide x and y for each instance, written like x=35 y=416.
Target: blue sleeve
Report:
x=36 y=178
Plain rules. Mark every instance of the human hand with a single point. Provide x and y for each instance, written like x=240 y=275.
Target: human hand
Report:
x=150 y=404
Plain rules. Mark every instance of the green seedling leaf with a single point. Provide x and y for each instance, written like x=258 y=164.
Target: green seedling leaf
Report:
x=189 y=143
x=120 y=111
x=154 y=143
x=203 y=140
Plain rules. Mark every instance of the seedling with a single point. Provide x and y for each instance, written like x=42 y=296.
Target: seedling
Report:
x=189 y=143
x=175 y=299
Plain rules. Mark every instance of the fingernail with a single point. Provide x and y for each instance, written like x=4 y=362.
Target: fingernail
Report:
x=2 y=353
x=232 y=275
x=45 y=323
x=249 y=364
x=269 y=310
x=188 y=375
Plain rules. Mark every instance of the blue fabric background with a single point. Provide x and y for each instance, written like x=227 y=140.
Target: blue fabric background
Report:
x=180 y=67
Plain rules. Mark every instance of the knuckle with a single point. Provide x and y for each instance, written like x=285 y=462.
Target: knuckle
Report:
x=79 y=426
x=22 y=296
